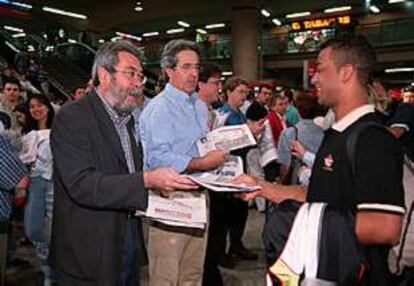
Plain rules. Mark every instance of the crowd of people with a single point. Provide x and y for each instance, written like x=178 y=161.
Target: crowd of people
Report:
x=77 y=173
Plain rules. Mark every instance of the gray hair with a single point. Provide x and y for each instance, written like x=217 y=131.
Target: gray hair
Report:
x=107 y=57
x=172 y=48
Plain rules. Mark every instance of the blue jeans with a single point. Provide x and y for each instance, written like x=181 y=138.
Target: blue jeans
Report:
x=38 y=214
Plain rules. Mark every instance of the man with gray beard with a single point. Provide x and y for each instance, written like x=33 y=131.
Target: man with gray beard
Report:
x=98 y=177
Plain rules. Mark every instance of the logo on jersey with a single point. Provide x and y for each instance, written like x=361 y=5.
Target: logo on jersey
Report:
x=328 y=163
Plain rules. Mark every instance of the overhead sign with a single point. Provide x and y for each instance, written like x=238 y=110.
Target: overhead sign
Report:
x=320 y=23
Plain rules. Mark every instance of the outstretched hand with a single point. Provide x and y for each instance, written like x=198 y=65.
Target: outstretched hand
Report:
x=167 y=180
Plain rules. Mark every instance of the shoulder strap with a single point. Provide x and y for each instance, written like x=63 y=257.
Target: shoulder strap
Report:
x=352 y=140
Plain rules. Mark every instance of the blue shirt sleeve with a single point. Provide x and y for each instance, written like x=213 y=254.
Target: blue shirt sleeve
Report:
x=283 y=150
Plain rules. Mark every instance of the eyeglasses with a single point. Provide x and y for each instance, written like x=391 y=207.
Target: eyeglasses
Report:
x=188 y=67
x=131 y=74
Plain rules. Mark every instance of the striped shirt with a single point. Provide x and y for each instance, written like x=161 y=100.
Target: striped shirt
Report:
x=120 y=123
x=12 y=170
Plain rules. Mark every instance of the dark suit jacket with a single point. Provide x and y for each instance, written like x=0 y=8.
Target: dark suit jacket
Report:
x=93 y=192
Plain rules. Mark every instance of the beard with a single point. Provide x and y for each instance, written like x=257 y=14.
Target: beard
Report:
x=120 y=98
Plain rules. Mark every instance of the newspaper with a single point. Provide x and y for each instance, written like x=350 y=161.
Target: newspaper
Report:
x=179 y=209
x=221 y=179
x=226 y=138
x=30 y=145
x=267 y=146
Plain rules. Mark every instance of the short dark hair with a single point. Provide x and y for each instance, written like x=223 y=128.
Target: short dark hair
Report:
x=354 y=50
x=77 y=87
x=308 y=106
x=12 y=80
x=265 y=85
x=209 y=69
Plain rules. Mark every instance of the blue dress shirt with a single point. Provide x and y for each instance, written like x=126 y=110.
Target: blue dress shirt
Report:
x=170 y=126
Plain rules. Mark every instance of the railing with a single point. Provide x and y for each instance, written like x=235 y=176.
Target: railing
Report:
x=389 y=33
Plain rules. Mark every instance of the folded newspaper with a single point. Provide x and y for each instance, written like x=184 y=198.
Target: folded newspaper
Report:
x=187 y=209
x=226 y=138
x=221 y=179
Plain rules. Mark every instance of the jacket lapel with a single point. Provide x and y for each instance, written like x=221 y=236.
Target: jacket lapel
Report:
x=106 y=126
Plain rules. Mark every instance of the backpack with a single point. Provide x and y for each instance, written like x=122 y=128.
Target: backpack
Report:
x=402 y=255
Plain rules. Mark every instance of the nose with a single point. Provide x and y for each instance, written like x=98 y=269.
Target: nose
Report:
x=314 y=79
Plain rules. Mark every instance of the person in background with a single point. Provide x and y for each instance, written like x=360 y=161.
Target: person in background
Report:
x=292 y=114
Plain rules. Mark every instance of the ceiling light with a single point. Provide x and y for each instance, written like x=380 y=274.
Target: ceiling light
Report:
x=150 y=34
x=395 y=1
x=183 y=24
x=101 y=41
x=139 y=9
x=12 y=47
x=23 y=5
x=139 y=3
x=296 y=15
x=277 y=22
x=201 y=31
x=374 y=9
x=227 y=73
x=395 y=70
x=13 y=29
x=213 y=26
x=19 y=35
x=265 y=13
x=175 y=31
x=338 y=9
x=64 y=13
x=30 y=48
x=129 y=36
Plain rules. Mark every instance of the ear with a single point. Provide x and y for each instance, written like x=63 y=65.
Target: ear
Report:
x=169 y=72
x=104 y=77
x=347 y=72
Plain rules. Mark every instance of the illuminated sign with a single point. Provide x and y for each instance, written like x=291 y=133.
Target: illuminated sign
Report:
x=320 y=23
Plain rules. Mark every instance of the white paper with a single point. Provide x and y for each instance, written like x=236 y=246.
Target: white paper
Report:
x=30 y=144
x=186 y=209
x=221 y=179
x=267 y=147
x=226 y=138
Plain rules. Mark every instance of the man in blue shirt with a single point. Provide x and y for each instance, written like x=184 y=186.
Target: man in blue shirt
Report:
x=170 y=126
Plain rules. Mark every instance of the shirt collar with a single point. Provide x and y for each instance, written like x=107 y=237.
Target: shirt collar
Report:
x=179 y=95
x=353 y=116
x=115 y=117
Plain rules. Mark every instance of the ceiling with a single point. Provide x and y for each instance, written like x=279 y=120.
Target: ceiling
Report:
x=158 y=15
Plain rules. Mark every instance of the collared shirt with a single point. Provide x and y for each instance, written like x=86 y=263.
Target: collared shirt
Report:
x=235 y=116
x=12 y=170
x=353 y=116
x=120 y=123
x=170 y=126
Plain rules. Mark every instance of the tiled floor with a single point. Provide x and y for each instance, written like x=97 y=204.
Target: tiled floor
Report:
x=246 y=273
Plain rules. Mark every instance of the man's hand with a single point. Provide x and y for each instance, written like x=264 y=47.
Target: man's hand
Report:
x=256 y=127
x=166 y=179
x=210 y=161
x=272 y=192
x=297 y=149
